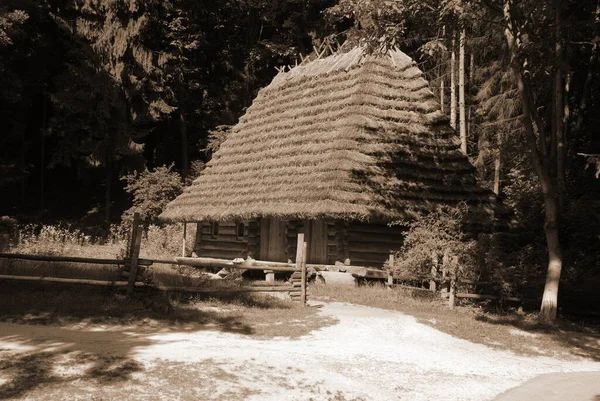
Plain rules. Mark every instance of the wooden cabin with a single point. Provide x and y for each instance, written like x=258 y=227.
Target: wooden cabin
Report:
x=329 y=241
x=338 y=148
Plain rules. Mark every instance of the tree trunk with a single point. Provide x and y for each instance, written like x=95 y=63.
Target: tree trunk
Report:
x=470 y=92
x=497 y=166
x=184 y=137
x=453 y=83
x=461 y=93
x=558 y=111
x=544 y=164
x=43 y=153
x=22 y=169
x=549 y=305
x=585 y=93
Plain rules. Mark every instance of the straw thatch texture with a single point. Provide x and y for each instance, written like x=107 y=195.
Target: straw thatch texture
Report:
x=351 y=136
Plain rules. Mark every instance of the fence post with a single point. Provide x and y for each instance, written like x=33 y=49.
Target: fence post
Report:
x=303 y=286
x=434 y=267
x=134 y=252
x=299 y=248
x=269 y=276
x=452 y=292
x=390 y=278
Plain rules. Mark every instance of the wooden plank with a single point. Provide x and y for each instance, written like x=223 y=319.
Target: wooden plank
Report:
x=481 y=296
x=213 y=245
x=136 y=241
x=230 y=238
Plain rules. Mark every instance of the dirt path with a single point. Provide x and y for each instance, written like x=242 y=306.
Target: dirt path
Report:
x=371 y=354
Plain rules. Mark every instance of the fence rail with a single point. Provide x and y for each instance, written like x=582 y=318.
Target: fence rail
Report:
x=75 y=259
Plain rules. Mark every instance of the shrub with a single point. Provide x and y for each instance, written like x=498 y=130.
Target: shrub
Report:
x=8 y=230
x=151 y=191
x=434 y=244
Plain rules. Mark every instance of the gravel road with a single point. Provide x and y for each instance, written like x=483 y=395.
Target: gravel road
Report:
x=371 y=354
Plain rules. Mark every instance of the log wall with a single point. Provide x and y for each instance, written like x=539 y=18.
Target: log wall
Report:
x=227 y=244
x=359 y=244
x=370 y=244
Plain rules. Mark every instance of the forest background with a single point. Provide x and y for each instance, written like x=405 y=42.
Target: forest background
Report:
x=93 y=91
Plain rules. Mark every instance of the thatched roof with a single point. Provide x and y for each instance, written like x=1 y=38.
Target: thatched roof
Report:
x=350 y=136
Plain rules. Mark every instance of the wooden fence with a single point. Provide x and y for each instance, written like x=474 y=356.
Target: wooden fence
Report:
x=134 y=268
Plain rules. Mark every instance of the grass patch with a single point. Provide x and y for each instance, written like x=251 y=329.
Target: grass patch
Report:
x=507 y=330
x=151 y=310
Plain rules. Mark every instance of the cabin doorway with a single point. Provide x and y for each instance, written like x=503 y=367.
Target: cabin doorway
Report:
x=273 y=240
x=315 y=234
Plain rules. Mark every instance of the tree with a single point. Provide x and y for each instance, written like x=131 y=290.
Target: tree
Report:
x=544 y=122
x=151 y=191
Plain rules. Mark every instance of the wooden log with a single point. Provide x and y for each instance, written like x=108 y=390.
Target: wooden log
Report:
x=65 y=280
x=223 y=246
x=492 y=297
x=281 y=288
x=265 y=284
x=303 y=282
x=214 y=262
x=219 y=253
x=136 y=241
x=74 y=259
x=358 y=271
x=225 y=290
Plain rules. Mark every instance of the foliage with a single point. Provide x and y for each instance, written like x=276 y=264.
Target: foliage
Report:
x=593 y=162
x=216 y=137
x=384 y=24
x=436 y=243
x=151 y=191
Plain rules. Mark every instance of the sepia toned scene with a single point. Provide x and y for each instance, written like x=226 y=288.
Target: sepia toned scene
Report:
x=326 y=200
